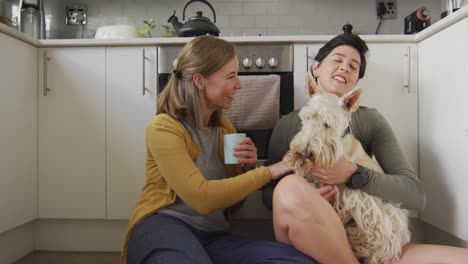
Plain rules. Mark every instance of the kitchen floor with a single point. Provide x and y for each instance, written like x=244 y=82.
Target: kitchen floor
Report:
x=46 y=257
x=252 y=228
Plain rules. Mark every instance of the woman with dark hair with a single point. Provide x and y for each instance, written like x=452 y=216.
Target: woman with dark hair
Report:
x=302 y=214
x=181 y=215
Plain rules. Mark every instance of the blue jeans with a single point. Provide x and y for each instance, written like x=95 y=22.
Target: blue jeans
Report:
x=165 y=239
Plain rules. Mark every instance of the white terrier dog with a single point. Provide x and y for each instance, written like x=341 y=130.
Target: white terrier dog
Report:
x=376 y=230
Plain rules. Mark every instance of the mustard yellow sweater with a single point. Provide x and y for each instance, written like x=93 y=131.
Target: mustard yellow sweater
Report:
x=171 y=171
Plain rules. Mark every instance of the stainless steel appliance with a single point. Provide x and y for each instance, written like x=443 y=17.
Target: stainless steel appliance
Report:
x=32 y=21
x=255 y=60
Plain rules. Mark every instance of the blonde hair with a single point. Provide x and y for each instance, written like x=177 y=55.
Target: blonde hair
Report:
x=181 y=98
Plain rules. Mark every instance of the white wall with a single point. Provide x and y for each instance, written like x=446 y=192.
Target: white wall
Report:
x=240 y=17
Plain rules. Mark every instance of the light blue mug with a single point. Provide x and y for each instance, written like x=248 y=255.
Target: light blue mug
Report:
x=230 y=141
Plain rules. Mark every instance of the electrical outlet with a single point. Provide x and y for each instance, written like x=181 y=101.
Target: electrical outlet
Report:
x=76 y=15
x=390 y=7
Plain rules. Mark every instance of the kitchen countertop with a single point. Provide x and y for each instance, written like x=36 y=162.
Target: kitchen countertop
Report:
x=309 y=39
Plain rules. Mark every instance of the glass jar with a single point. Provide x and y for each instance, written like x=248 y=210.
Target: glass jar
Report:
x=31 y=22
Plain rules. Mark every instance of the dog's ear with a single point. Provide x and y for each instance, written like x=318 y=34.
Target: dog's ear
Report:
x=312 y=87
x=350 y=100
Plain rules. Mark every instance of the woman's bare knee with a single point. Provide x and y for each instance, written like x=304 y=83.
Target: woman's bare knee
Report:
x=293 y=191
x=295 y=197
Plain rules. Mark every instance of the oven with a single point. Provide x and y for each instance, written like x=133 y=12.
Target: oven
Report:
x=257 y=62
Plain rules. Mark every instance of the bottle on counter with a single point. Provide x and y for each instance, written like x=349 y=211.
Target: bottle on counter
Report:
x=450 y=6
x=31 y=22
x=32 y=18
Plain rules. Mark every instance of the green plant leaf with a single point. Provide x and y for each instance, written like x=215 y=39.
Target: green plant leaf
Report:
x=143 y=31
x=168 y=30
x=150 y=24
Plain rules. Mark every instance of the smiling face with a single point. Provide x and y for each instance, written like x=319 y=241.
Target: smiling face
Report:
x=338 y=73
x=217 y=90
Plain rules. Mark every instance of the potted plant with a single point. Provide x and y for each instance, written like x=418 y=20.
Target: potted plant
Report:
x=150 y=24
x=169 y=31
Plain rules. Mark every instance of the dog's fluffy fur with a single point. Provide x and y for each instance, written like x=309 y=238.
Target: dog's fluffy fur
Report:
x=376 y=230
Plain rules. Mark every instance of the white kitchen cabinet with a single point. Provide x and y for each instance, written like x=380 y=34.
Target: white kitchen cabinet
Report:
x=18 y=133
x=72 y=155
x=443 y=128
x=304 y=55
x=389 y=85
x=130 y=105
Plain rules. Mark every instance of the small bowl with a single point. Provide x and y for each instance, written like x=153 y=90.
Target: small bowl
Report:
x=117 y=32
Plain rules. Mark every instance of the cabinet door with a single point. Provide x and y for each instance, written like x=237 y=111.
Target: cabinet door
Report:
x=131 y=104
x=390 y=85
x=18 y=136
x=443 y=128
x=72 y=133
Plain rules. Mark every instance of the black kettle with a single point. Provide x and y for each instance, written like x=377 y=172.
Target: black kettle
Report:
x=197 y=25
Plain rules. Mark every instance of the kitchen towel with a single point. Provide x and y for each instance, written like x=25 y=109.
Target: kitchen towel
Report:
x=256 y=104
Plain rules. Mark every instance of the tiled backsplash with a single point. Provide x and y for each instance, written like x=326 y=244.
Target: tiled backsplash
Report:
x=238 y=17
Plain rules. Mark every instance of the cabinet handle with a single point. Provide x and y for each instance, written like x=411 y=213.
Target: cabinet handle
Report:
x=144 y=71
x=46 y=59
x=309 y=57
x=406 y=80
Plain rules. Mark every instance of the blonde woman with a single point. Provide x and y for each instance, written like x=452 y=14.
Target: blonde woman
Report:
x=180 y=217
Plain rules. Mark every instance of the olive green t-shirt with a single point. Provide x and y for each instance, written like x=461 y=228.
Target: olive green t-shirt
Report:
x=398 y=184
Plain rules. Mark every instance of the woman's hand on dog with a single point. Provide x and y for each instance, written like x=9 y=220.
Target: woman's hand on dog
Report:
x=328 y=192
x=339 y=174
x=279 y=170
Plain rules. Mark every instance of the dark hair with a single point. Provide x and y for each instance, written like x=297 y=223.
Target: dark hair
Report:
x=351 y=40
